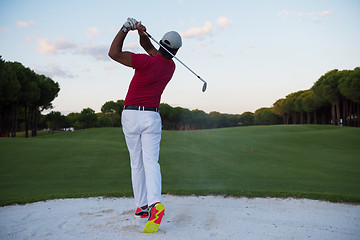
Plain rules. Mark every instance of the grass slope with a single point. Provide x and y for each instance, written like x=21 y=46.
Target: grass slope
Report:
x=318 y=162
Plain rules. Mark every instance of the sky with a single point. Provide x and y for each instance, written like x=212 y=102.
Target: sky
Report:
x=251 y=53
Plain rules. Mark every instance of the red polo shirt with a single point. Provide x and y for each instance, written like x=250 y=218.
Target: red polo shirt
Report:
x=152 y=74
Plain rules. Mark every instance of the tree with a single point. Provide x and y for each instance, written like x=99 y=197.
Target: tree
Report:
x=264 y=116
x=48 y=92
x=279 y=109
x=309 y=104
x=247 y=119
x=184 y=118
x=200 y=120
x=221 y=120
x=349 y=87
x=110 y=109
x=72 y=120
x=23 y=95
x=104 y=120
x=30 y=92
x=327 y=88
x=9 y=98
x=88 y=118
x=299 y=105
x=166 y=114
x=289 y=106
x=55 y=121
x=216 y=116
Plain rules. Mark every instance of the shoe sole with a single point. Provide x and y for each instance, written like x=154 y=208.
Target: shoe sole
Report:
x=153 y=223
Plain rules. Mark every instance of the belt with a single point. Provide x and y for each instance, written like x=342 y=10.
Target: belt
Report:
x=141 y=108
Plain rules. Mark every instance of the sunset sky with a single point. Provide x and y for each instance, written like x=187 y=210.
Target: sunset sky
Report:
x=251 y=53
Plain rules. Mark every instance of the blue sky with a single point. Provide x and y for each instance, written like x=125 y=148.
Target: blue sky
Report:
x=251 y=53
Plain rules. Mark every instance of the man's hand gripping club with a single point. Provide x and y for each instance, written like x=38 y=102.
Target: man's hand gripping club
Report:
x=130 y=24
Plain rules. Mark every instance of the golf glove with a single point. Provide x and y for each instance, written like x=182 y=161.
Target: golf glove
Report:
x=129 y=25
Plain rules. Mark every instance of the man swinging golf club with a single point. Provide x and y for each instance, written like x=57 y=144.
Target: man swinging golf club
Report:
x=140 y=118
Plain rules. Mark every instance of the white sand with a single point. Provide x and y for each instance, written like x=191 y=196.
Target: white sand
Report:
x=185 y=218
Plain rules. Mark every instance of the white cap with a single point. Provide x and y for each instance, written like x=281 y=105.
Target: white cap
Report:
x=172 y=40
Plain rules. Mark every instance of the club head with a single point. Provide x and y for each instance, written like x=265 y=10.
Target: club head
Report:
x=204 y=87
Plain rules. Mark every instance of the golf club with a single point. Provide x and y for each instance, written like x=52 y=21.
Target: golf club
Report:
x=205 y=84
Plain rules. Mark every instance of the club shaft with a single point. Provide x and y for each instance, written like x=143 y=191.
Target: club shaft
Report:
x=175 y=57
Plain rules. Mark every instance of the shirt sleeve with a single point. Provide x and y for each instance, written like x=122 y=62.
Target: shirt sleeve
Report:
x=139 y=61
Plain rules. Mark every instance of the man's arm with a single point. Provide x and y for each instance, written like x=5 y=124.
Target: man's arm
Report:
x=145 y=41
x=116 y=52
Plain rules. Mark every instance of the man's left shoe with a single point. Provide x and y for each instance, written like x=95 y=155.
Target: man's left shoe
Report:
x=143 y=213
x=156 y=214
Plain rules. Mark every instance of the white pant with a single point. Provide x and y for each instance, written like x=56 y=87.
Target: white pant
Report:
x=142 y=130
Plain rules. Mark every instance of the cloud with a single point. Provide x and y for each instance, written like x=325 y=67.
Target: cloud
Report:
x=4 y=29
x=194 y=32
x=22 y=24
x=46 y=47
x=304 y=16
x=53 y=71
x=207 y=29
x=223 y=22
x=92 y=32
x=99 y=52
x=326 y=12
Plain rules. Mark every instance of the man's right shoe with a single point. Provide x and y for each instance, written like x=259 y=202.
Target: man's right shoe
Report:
x=156 y=214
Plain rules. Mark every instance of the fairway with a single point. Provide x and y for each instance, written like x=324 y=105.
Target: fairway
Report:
x=311 y=161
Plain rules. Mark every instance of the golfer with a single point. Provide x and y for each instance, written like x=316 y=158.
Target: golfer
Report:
x=140 y=119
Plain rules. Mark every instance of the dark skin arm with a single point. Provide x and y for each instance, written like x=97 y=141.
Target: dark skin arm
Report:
x=117 y=54
x=145 y=41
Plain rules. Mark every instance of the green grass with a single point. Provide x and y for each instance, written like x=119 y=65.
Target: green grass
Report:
x=317 y=162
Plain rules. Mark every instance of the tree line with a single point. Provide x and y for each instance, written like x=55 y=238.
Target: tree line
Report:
x=23 y=95
x=333 y=99
x=173 y=118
